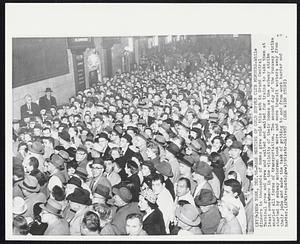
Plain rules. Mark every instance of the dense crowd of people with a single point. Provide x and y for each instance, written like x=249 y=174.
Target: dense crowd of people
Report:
x=165 y=149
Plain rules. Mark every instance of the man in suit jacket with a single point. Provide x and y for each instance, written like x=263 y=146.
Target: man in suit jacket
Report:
x=29 y=109
x=47 y=100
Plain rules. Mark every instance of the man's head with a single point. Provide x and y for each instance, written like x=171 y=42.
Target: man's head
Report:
x=232 y=188
x=28 y=98
x=183 y=186
x=81 y=154
x=97 y=167
x=134 y=224
x=90 y=224
x=30 y=164
x=158 y=183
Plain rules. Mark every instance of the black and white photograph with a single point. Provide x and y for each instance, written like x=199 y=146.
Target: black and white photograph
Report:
x=141 y=135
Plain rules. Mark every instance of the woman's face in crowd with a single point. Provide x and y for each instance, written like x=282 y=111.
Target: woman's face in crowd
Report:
x=143 y=204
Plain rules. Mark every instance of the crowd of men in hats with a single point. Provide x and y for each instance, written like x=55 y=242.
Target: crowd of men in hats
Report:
x=151 y=152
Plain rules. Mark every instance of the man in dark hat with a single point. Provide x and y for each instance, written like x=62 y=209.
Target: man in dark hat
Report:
x=185 y=169
x=46 y=101
x=172 y=151
x=122 y=198
x=79 y=203
x=98 y=177
x=210 y=215
x=126 y=152
x=101 y=145
x=235 y=163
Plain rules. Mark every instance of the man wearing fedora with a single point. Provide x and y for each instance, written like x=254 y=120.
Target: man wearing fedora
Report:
x=186 y=163
x=51 y=214
x=98 y=177
x=188 y=219
x=55 y=166
x=122 y=199
x=202 y=173
x=79 y=203
x=46 y=101
x=172 y=151
x=210 y=215
x=30 y=189
x=236 y=163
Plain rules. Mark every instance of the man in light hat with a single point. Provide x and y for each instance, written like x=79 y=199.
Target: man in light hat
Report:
x=55 y=166
x=46 y=101
x=51 y=214
x=30 y=189
x=188 y=220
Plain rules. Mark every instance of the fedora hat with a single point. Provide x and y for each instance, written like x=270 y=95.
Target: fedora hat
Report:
x=103 y=191
x=36 y=147
x=173 y=148
x=188 y=214
x=63 y=154
x=30 y=183
x=186 y=160
x=82 y=173
x=160 y=139
x=74 y=181
x=203 y=169
x=19 y=206
x=123 y=192
x=205 y=198
x=164 y=168
x=80 y=196
x=57 y=161
x=48 y=89
x=64 y=135
x=52 y=206
x=236 y=145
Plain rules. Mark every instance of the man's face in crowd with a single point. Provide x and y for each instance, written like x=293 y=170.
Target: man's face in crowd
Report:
x=123 y=142
x=184 y=169
x=97 y=170
x=102 y=143
x=118 y=200
x=182 y=188
x=28 y=99
x=80 y=155
x=133 y=226
x=157 y=186
x=109 y=166
x=37 y=132
x=234 y=153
